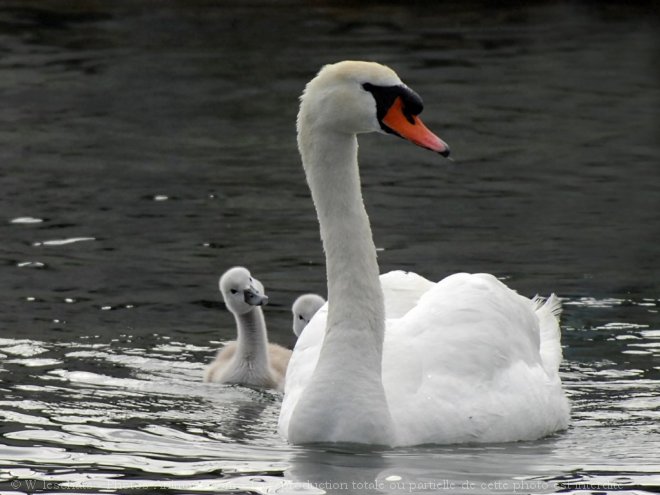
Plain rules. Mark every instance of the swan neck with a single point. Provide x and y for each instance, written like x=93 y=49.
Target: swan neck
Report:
x=348 y=373
x=355 y=298
x=252 y=340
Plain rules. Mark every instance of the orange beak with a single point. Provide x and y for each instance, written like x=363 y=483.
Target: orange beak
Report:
x=413 y=129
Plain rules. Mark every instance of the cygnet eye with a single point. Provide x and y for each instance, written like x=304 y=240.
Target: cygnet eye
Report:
x=300 y=317
x=233 y=291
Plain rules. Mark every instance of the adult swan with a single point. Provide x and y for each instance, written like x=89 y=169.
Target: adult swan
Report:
x=463 y=360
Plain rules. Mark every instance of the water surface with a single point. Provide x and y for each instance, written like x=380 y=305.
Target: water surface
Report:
x=146 y=148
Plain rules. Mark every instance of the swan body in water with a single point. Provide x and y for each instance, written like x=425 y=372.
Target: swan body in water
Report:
x=303 y=309
x=396 y=359
x=249 y=360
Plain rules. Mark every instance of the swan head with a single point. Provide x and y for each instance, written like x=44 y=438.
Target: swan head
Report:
x=303 y=309
x=357 y=97
x=241 y=291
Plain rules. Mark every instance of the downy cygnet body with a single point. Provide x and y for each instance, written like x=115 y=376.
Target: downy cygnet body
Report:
x=250 y=360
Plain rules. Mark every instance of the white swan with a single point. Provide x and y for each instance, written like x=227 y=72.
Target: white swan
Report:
x=303 y=309
x=250 y=360
x=463 y=360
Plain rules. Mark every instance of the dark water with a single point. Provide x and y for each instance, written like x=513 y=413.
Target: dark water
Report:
x=145 y=147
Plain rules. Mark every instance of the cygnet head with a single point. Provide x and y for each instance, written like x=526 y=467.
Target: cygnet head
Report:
x=241 y=291
x=356 y=97
x=303 y=309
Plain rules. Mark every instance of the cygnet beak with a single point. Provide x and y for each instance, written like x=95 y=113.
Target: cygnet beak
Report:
x=253 y=297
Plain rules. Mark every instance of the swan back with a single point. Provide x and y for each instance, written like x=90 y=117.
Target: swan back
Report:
x=402 y=291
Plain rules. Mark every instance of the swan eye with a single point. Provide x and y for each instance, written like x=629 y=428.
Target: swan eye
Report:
x=233 y=291
x=385 y=97
x=300 y=317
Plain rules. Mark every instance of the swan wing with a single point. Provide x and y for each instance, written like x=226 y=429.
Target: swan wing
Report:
x=402 y=291
x=465 y=365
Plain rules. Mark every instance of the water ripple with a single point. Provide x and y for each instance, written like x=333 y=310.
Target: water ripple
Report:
x=26 y=220
x=63 y=242
x=139 y=201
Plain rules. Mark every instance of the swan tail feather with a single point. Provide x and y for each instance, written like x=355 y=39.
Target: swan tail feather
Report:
x=551 y=304
x=549 y=311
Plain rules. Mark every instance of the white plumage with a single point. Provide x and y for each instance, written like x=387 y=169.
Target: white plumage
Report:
x=398 y=360
x=464 y=360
